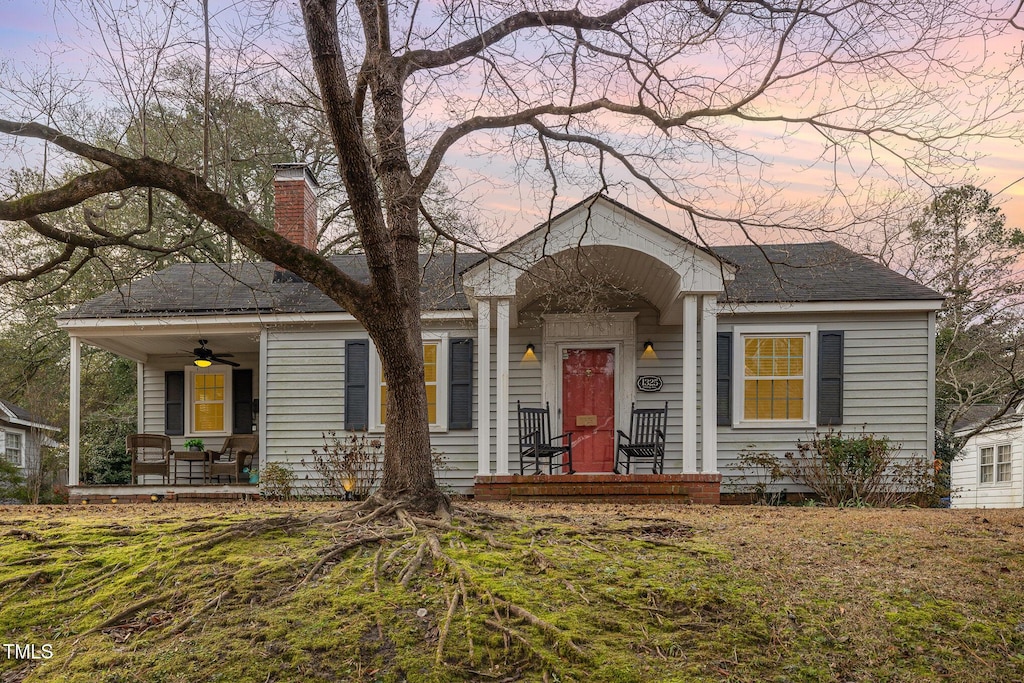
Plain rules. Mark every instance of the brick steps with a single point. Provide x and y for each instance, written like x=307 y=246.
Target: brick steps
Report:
x=701 y=489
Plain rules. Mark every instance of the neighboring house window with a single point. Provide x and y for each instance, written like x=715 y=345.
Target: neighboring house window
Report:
x=209 y=401
x=435 y=378
x=776 y=384
x=14 y=448
x=994 y=462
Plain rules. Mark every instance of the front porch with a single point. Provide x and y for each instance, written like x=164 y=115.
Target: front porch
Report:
x=161 y=493
x=703 y=489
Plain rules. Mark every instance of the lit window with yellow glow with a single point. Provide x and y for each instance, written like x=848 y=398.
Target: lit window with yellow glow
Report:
x=774 y=378
x=208 y=402
x=429 y=378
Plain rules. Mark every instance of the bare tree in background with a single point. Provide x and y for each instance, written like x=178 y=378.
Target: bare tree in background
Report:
x=960 y=246
x=662 y=94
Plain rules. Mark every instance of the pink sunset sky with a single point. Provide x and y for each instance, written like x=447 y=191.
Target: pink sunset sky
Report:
x=34 y=32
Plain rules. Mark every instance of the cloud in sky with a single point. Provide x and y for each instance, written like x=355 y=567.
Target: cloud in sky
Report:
x=798 y=159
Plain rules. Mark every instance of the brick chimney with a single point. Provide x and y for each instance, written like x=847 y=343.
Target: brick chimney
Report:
x=295 y=204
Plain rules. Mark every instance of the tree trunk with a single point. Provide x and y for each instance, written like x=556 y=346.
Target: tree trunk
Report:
x=408 y=475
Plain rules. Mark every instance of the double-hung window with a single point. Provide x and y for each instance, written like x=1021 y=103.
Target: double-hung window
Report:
x=777 y=383
x=209 y=393
x=994 y=464
x=435 y=379
x=13 y=447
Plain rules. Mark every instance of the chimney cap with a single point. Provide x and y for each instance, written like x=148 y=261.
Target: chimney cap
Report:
x=294 y=171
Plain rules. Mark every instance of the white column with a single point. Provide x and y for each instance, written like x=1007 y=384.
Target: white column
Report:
x=140 y=391
x=483 y=386
x=261 y=417
x=690 y=383
x=501 y=419
x=709 y=385
x=75 y=426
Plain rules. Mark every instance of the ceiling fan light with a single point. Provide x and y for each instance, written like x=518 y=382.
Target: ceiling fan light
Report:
x=202 y=363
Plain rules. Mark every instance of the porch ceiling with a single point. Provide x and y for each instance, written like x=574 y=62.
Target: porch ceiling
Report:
x=141 y=346
x=585 y=272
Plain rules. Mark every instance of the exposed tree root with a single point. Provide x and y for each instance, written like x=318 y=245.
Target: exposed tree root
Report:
x=24 y=535
x=341 y=548
x=131 y=611
x=185 y=623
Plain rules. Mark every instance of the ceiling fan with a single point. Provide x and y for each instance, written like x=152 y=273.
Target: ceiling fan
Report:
x=205 y=357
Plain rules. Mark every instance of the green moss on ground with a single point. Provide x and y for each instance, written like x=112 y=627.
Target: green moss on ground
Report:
x=618 y=593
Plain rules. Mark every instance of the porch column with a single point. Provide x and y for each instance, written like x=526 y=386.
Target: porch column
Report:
x=483 y=386
x=74 y=430
x=709 y=385
x=501 y=419
x=689 y=383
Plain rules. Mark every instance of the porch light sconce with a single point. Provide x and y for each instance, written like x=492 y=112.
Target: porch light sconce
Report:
x=649 y=353
x=530 y=352
x=202 y=363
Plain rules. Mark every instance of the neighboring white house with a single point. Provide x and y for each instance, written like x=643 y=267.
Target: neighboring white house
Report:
x=989 y=472
x=752 y=346
x=22 y=437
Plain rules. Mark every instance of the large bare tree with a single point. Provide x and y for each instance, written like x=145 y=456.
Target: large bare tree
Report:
x=687 y=99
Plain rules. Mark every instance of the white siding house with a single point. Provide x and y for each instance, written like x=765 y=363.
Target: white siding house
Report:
x=746 y=345
x=989 y=471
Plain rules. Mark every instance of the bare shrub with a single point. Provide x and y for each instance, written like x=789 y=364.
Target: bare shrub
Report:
x=348 y=464
x=857 y=470
x=276 y=482
x=762 y=471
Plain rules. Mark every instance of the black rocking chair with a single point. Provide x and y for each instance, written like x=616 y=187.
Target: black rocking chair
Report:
x=536 y=442
x=646 y=439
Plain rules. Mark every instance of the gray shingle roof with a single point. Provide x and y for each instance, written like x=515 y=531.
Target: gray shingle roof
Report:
x=819 y=271
x=790 y=273
x=217 y=289
x=22 y=414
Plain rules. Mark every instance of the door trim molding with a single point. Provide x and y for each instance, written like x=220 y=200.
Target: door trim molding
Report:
x=590 y=331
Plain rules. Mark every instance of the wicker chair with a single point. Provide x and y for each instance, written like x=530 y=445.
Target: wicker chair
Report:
x=150 y=454
x=239 y=451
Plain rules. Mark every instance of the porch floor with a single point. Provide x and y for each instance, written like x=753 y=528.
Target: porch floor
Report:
x=168 y=493
x=703 y=489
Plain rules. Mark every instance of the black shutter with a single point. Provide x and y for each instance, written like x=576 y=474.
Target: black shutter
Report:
x=460 y=384
x=724 y=379
x=241 y=402
x=357 y=385
x=174 y=402
x=830 y=378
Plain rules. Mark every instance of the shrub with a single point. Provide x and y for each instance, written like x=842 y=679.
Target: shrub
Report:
x=863 y=470
x=276 y=482
x=356 y=461
x=764 y=470
x=348 y=464
x=10 y=481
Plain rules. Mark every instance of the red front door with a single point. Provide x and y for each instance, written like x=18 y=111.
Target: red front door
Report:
x=588 y=407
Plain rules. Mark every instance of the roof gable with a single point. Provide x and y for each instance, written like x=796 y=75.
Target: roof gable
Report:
x=598 y=221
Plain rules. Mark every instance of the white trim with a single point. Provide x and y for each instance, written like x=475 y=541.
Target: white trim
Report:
x=690 y=383
x=375 y=374
x=241 y=324
x=501 y=463
x=191 y=371
x=22 y=434
x=261 y=416
x=810 y=332
x=920 y=305
x=709 y=386
x=996 y=482
x=930 y=408
x=75 y=409
x=611 y=330
x=483 y=387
